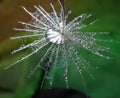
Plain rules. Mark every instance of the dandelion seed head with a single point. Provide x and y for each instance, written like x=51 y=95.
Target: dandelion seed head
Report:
x=53 y=28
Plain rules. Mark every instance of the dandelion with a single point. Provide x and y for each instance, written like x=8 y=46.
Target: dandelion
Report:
x=62 y=37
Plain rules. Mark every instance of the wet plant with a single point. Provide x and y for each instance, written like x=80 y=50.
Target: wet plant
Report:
x=63 y=38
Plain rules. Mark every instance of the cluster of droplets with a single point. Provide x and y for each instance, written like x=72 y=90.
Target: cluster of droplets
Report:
x=53 y=30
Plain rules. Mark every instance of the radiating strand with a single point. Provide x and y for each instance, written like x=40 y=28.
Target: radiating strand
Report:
x=45 y=76
x=43 y=80
x=65 y=65
x=95 y=50
x=54 y=66
x=26 y=36
x=55 y=13
x=48 y=66
x=53 y=52
x=35 y=18
x=79 y=69
x=76 y=20
x=89 y=43
x=86 y=25
x=86 y=64
x=32 y=25
x=82 y=36
x=102 y=48
x=92 y=33
x=41 y=60
x=92 y=22
x=62 y=13
x=69 y=12
x=28 y=30
x=48 y=15
x=60 y=4
x=45 y=16
x=28 y=45
x=25 y=57
x=101 y=40
x=82 y=61
x=74 y=27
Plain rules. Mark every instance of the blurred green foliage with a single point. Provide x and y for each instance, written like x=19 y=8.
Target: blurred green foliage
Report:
x=107 y=77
